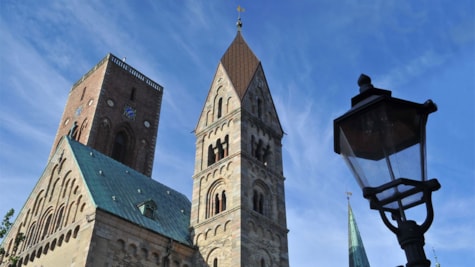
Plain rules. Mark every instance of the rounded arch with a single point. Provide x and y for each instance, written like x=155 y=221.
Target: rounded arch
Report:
x=30 y=235
x=59 y=217
x=123 y=144
x=199 y=238
x=226 y=224
x=53 y=189
x=217 y=229
x=212 y=255
x=45 y=223
x=216 y=200
x=61 y=164
x=65 y=187
x=261 y=200
x=208 y=117
x=207 y=233
x=38 y=201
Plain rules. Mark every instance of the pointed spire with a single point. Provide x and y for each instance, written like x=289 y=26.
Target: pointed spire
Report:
x=357 y=253
x=240 y=64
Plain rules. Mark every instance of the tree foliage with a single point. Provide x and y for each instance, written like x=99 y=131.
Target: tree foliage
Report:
x=11 y=258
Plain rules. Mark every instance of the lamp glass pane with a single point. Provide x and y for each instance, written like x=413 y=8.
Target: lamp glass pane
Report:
x=370 y=172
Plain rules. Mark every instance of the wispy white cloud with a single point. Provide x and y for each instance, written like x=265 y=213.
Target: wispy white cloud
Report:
x=312 y=54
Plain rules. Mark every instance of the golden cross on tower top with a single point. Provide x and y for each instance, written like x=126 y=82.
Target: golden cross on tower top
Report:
x=239 y=22
x=240 y=9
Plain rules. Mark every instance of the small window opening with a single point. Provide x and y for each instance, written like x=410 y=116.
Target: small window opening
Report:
x=259 y=108
x=215 y=262
x=258 y=202
x=132 y=94
x=216 y=204
x=83 y=93
x=211 y=155
x=226 y=146
x=223 y=201
x=220 y=107
x=220 y=149
x=260 y=151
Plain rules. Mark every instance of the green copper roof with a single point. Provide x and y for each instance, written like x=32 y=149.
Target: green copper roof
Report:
x=357 y=252
x=120 y=190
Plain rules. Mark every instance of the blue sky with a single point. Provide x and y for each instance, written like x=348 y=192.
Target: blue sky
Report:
x=312 y=51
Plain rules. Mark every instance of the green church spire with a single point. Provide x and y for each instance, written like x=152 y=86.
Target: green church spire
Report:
x=357 y=253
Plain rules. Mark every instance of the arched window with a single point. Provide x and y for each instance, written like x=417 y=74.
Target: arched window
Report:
x=259 y=108
x=258 y=202
x=46 y=225
x=261 y=203
x=216 y=204
x=120 y=147
x=260 y=150
x=223 y=201
x=220 y=107
x=211 y=155
x=216 y=199
x=215 y=262
x=220 y=149
x=255 y=200
x=30 y=234
x=226 y=146
x=263 y=263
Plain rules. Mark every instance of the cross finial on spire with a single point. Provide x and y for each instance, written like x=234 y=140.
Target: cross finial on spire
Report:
x=348 y=195
x=239 y=22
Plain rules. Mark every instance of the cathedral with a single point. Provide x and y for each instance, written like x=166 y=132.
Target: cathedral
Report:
x=96 y=204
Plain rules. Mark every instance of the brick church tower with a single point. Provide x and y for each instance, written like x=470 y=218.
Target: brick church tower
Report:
x=114 y=109
x=238 y=206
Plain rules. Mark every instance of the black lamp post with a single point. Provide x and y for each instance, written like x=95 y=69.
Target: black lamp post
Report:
x=382 y=139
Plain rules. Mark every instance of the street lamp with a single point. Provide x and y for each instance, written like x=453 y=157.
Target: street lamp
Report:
x=382 y=139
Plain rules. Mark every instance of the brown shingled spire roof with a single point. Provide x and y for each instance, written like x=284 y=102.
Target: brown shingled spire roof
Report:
x=240 y=64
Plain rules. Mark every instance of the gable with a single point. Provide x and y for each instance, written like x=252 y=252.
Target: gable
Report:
x=58 y=201
x=221 y=99
x=258 y=102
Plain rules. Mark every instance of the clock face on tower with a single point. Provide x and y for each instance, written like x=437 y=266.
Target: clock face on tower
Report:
x=129 y=112
x=78 y=111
